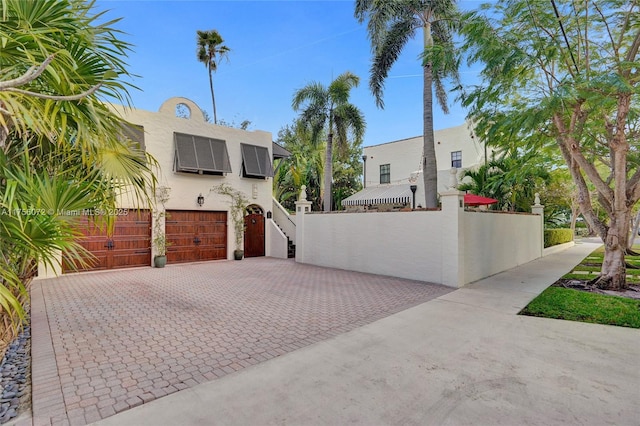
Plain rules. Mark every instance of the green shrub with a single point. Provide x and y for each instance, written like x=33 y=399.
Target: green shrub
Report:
x=553 y=237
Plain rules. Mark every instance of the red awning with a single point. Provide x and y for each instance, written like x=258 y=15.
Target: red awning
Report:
x=477 y=200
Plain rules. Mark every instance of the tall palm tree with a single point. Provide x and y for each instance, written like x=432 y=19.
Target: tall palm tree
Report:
x=210 y=52
x=327 y=109
x=391 y=24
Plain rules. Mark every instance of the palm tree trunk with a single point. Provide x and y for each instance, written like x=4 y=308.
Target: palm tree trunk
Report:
x=429 y=166
x=328 y=173
x=213 y=98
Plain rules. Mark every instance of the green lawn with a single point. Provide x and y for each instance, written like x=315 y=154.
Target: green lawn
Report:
x=577 y=305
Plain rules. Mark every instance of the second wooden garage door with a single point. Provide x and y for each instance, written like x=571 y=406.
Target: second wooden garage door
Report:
x=196 y=235
x=130 y=244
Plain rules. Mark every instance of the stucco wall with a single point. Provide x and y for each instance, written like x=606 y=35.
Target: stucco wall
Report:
x=401 y=244
x=495 y=242
x=404 y=155
x=159 y=128
x=275 y=240
x=452 y=247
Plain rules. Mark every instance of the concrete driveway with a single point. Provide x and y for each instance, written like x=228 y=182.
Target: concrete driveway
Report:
x=106 y=342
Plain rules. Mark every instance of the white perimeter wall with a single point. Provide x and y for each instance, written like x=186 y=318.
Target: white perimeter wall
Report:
x=495 y=242
x=400 y=244
x=453 y=247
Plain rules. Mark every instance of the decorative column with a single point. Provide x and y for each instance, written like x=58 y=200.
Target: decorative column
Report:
x=453 y=255
x=538 y=209
x=302 y=208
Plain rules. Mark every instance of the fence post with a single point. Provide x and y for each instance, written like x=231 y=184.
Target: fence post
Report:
x=453 y=256
x=538 y=209
x=302 y=208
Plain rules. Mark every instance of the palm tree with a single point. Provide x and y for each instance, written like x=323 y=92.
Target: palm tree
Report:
x=210 y=51
x=326 y=110
x=61 y=145
x=304 y=167
x=478 y=180
x=391 y=24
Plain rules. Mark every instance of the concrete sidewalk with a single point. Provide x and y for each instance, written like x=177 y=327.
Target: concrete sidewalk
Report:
x=464 y=358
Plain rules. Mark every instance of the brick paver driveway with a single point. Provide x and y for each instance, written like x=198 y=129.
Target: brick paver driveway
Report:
x=109 y=341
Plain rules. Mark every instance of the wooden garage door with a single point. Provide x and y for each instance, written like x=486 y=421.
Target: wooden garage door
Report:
x=196 y=235
x=129 y=246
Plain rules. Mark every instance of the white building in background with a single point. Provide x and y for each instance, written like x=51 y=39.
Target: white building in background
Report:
x=391 y=168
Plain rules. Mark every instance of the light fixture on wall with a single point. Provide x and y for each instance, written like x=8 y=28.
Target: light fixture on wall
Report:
x=364 y=171
x=200 y=200
x=413 y=192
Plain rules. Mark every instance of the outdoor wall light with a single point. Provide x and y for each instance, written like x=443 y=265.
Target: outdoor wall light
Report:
x=413 y=192
x=200 y=200
x=364 y=171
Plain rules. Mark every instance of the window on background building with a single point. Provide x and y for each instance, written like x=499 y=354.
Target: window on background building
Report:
x=456 y=159
x=385 y=173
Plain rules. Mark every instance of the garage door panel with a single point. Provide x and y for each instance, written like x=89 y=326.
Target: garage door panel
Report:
x=179 y=254
x=174 y=228
x=123 y=259
x=96 y=263
x=213 y=252
x=196 y=236
x=129 y=246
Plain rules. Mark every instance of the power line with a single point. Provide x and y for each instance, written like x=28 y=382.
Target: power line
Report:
x=564 y=34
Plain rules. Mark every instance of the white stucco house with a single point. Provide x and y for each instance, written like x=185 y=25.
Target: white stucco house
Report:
x=193 y=157
x=391 y=168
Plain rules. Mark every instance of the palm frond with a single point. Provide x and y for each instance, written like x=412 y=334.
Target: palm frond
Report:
x=386 y=54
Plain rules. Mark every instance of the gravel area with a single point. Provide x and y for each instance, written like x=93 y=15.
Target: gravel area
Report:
x=15 y=372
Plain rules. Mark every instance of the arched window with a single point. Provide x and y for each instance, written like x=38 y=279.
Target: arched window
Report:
x=183 y=111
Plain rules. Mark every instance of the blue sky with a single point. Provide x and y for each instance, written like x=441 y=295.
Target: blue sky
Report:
x=277 y=47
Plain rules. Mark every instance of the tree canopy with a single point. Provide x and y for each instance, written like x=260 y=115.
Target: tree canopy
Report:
x=62 y=148
x=326 y=110
x=210 y=51
x=391 y=25
x=566 y=74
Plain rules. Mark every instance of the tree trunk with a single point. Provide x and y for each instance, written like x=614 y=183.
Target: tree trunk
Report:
x=213 y=98
x=328 y=173
x=634 y=231
x=574 y=217
x=613 y=275
x=429 y=165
